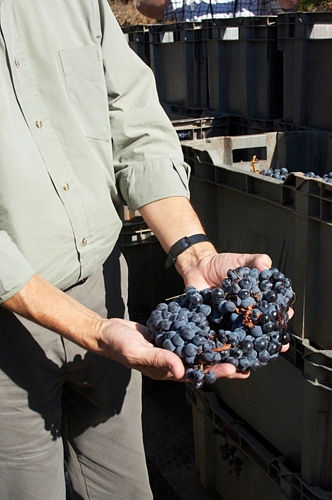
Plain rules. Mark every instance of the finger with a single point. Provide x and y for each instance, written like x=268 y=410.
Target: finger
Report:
x=290 y=312
x=226 y=370
x=260 y=261
x=284 y=348
x=162 y=364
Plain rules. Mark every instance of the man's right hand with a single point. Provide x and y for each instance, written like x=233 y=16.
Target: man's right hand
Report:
x=124 y=341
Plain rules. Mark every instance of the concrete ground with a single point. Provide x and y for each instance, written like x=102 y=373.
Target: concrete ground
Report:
x=169 y=443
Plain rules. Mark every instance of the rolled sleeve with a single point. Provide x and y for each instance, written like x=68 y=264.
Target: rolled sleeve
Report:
x=147 y=155
x=153 y=180
x=15 y=271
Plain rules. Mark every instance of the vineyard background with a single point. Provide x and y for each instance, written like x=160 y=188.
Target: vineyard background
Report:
x=127 y=15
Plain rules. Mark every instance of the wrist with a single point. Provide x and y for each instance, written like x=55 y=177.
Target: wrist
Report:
x=182 y=245
x=192 y=256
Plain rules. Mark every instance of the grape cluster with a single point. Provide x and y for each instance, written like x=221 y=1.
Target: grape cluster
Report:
x=242 y=322
x=228 y=452
x=326 y=177
x=278 y=173
x=282 y=173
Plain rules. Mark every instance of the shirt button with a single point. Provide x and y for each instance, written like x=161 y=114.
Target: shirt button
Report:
x=17 y=63
x=65 y=186
x=39 y=124
x=84 y=242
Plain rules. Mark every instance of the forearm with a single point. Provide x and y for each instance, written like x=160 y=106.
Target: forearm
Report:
x=171 y=219
x=42 y=303
x=200 y=265
x=288 y=4
x=117 y=339
x=152 y=9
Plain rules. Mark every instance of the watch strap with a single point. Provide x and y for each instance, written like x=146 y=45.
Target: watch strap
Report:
x=182 y=245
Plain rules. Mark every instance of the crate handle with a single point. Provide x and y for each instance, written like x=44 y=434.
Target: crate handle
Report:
x=319 y=31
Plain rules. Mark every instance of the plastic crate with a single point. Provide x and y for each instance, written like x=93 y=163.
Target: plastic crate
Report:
x=305 y=40
x=288 y=404
x=195 y=123
x=149 y=281
x=243 y=66
x=174 y=56
x=227 y=160
x=243 y=125
x=137 y=37
x=291 y=221
x=266 y=473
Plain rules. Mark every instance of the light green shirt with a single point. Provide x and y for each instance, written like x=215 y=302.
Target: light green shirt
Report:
x=81 y=132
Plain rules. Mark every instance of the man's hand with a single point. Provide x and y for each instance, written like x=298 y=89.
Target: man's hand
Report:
x=124 y=341
x=211 y=270
x=121 y=340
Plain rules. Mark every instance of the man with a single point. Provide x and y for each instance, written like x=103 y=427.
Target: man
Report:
x=81 y=132
x=197 y=10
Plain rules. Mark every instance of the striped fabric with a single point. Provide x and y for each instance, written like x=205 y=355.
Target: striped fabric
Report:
x=196 y=10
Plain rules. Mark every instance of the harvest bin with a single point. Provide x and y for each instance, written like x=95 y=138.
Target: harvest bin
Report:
x=266 y=473
x=291 y=221
x=305 y=40
x=196 y=123
x=137 y=37
x=289 y=404
x=243 y=66
x=175 y=61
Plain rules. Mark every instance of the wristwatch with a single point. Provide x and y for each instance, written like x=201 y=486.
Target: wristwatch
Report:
x=182 y=245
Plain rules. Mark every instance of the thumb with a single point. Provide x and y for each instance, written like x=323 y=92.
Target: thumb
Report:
x=166 y=363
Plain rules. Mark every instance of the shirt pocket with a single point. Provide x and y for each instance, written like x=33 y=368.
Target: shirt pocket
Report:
x=84 y=75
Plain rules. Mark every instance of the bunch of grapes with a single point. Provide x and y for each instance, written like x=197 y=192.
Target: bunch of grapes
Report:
x=228 y=451
x=278 y=173
x=326 y=177
x=242 y=322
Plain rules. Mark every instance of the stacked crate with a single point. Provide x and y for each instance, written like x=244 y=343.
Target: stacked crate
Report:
x=269 y=79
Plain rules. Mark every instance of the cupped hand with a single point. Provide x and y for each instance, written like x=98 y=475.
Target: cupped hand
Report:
x=211 y=270
x=125 y=342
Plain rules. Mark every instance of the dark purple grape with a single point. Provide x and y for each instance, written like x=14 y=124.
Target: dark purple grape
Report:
x=268 y=327
x=273 y=348
x=247 y=346
x=168 y=344
x=177 y=340
x=187 y=333
x=210 y=377
x=285 y=338
x=244 y=294
x=190 y=349
x=217 y=294
x=260 y=344
x=255 y=314
x=244 y=283
x=264 y=356
x=270 y=296
x=264 y=318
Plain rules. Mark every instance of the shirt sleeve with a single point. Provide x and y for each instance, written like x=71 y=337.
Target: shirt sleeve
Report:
x=15 y=270
x=147 y=155
x=169 y=14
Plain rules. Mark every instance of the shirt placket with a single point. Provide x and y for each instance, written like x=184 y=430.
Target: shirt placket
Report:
x=35 y=115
